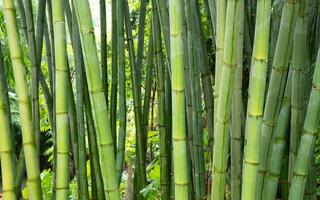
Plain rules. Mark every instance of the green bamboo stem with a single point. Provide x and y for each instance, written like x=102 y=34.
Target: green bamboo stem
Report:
x=140 y=47
x=93 y=146
x=300 y=63
x=221 y=6
x=194 y=65
x=310 y=192
x=165 y=26
x=276 y=86
x=179 y=137
x=277 y=153
x=8 y=169
x=257 y=86
x=122 y=90
x=114 y=65
x=236 y=128
x=97 y=98
x=34 y=80
x=103 y=48
x=148 y=84
x=28 y=134
x=81 y=140
x=310 y=129
x=141 y=154
x=162 y=126
x=222 y=119
x=61 y=84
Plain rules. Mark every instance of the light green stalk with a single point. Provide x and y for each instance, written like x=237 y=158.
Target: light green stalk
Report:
x=8 y=169
x=276 y=86
x=61 y=99
x=307 y=142
x=179 y=137
x=237 y=115
x=277 y=151
x=222 y=118
x=256 y=93
x=97 y=98
x=220 y=24
x=81 y=140
x=27 y=127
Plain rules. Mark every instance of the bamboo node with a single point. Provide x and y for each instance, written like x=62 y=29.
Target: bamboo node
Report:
x=111 y=190
x=315 y=86
x=63 y=153
x=181 y=184
x=8 y=190
x=309 y=132
x=179 y=139
x=270 y=124
x=279 y=69
x=229 y=65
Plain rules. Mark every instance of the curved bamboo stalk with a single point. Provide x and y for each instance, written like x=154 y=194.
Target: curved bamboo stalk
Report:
x=278 y=147
x=97 y=97
x=276 y=86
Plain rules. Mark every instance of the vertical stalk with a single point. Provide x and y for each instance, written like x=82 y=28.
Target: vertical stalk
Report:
x=236 y=128
x=97 y=98
x=300 y=63
x=222 y=118
x=8 y=169
x=61 y=84
x=163 y=133
x=27 y=127
x=122 y=90
x=277 y=150
x=257 y=86
x=82 y=155
x=103 y=38
x=310 y=129
x=177 y=49
x=276 y=86
x=114 y=65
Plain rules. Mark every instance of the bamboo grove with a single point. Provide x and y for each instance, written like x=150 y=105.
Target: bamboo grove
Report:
x=160 y=99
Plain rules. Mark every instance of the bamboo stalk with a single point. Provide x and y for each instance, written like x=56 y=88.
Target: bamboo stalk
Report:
x=8 y=169
x=256 y=93
x=122 y=90
x=310 y=129
x=277 y=150
x=97 y=99
x=177 y=49
x=276 y=86
x=222 y=119
x=162 y=125
x=28 y=133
